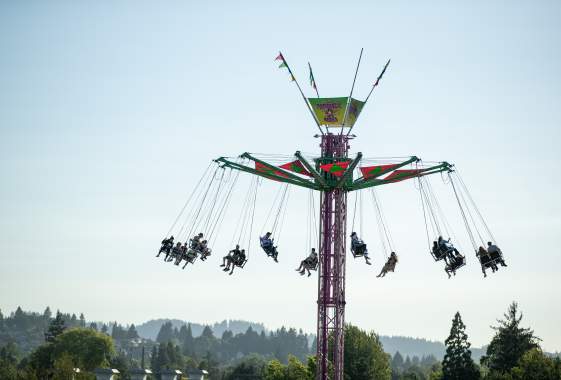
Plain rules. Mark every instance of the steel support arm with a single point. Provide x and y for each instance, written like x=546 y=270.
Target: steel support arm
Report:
x=233 y=165
x=288 y=174
x=317 y=176
x=349 y=171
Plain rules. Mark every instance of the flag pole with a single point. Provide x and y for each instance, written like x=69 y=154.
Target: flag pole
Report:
x=351 y=94
x=314 y=79
x=373 y=87
x=293 y=78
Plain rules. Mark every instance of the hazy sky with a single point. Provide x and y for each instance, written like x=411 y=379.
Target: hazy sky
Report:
x=110 y=112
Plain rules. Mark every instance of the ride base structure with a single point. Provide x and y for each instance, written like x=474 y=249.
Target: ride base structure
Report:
x=332 y=174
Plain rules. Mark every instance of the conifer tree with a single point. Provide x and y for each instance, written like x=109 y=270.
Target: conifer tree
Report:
x=509 y=343
x=55 y=328
x=457 y=363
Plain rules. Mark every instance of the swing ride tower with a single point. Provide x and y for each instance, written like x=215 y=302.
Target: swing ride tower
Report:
x=331 y=174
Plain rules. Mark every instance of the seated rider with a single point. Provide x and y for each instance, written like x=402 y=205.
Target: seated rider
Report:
x=309 y=263
x=229 y=258
x=495 y=253
x=446 y=247
x=454 y=262
x=389 y=266
x=358 y=247
x=438 y=253
x=167 y=245
x=182 y=255
x=267 y=245
x=196 y=241
x=205 y=250
x=237 y=260
x=485 y=260
x=175 y=252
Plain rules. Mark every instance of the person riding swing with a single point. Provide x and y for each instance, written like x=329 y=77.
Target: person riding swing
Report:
x=268 y=246
x=175 y=252
x=196 y=242
x=205 y=250
x=234 y=258
x=167 y=245
x=495 y=253
x=309 y=263
x=358 y=247
x=486 y=261
x=389 y=266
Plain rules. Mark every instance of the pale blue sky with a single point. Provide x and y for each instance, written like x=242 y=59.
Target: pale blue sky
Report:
x=109 y=112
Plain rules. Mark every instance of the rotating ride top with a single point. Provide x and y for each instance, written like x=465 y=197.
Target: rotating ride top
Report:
x=334 y=174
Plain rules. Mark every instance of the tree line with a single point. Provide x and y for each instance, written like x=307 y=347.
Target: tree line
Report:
x=68 y=341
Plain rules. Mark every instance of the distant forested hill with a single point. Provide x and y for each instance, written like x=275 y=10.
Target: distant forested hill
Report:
x=150 y=329
x=27 y=329
x=420 y=347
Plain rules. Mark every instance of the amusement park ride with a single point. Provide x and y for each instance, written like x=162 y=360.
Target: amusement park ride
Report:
x=334 y=175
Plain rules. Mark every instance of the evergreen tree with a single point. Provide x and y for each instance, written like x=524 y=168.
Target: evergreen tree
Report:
x=19 y=319
x=509 y=343
x=56 y=328
x=93 y=326
x=457 y=363
x=82 y=320
x=47 y=314
x=166 y=333
x=132 y=333
x=187 y=340
x=105 y=329
x=397 y=361
x=154 y=359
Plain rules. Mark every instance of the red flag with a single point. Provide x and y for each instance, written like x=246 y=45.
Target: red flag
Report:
x=337 y=168
x=279 y=57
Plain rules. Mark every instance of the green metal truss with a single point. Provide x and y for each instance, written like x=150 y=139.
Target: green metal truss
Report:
x=323 y=181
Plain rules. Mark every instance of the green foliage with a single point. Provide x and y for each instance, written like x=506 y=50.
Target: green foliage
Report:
x=509 y=343
x=457 y=363
x=63 y=367
x=274 y=371
x=87 y=348
x=364 y=356
x=535 y=365
x=294 y=370
x=251 y=367
x=84 y=348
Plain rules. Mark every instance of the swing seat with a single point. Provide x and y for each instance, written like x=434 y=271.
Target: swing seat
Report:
x=191 y=256
x=440 y=253
x=205 y=254
x=359 y=251
x=457 y=263
x=271 y=251
x=165 y=249
x=240 y=262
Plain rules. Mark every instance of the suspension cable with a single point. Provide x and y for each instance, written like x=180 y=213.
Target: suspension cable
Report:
x=464 y=216
x=252 y=216
x=226 y=201
x=424 y=213
x=487 y=229
x=283 y=217
x=188 y=199
x=193 y=207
